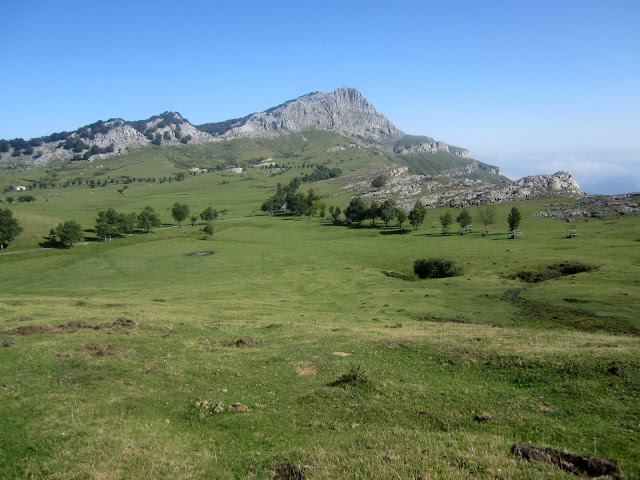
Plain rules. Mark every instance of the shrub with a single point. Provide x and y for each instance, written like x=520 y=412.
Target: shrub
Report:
x=435 y=268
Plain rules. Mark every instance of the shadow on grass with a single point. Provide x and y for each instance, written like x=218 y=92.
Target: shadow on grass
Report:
x=396 y=232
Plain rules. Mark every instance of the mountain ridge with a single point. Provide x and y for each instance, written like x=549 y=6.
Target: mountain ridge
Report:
x=344 y=112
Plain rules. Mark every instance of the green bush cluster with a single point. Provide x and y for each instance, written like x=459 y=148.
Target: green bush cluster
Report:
x=435 y=268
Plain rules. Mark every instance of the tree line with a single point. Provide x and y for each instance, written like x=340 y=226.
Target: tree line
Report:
x=110 y=223
x=288 y=199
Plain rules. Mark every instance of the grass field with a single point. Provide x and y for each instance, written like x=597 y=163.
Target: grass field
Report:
x=346 y=372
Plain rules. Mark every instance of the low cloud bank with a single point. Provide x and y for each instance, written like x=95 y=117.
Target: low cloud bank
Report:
x=606 y=173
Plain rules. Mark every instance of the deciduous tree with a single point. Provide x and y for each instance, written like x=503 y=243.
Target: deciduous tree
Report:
x=514 y=218
x=464 y=218
x=148 y=219
x=445 y=220
x=401 y=217
x=69 y=232
x=180 y=211
x=209 y=214
x=357 y=210
x=487 y=215
x=417 y=214
x=9 y=227
x=388 y=211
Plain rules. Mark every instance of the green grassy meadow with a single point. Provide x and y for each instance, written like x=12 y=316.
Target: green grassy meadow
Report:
x=279 y=315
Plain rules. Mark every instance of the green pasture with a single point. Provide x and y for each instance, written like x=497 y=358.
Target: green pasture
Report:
x=349 y=365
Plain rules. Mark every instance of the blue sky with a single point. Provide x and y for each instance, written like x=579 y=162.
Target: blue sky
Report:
x=533 y=87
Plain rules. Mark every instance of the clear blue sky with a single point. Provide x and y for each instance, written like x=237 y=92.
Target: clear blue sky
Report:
x=531 y=86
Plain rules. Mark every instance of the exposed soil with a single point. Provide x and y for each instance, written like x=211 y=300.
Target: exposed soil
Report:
x=483 y=417
x=288 y=471
x=398 y=275
x=306 y=368
x=96 y=350
x=122 y=324
x=433 y=318
x=552 y=271
x=243 y=342
x=237 y=407
x=575 y=463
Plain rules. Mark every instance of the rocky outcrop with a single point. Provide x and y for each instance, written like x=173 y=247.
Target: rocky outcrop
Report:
x=344 y=111
x=560 y=184
x=594 y=206
x=443 y=190
x=430 y=145
x=104 y=139
x=470 y=168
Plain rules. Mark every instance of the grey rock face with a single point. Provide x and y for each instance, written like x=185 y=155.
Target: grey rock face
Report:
x=594 y=206
x=121 y=135
x=344 y=111
x=432 y=146
x=447 y=190
x=560 y=184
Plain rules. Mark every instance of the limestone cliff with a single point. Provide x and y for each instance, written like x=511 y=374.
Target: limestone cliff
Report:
x=344 y=111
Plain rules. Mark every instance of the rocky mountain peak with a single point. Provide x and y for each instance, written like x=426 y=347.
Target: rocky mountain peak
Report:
x=344 y=111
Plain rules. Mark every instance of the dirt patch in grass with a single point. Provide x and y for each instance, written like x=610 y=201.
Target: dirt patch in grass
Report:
x=122 y=324
x=29 y=330
x=288 y=471
x=109 y=350
x=433 y=318
x=575 y=463
x=305 y=368
x=247 y=341
x=398 y=275
x=552 y=271
x=199 y=254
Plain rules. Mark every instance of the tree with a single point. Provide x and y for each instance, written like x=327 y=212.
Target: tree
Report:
x=10 y=200
x=107 y=223
x=149 y=219
x=224 y=212
x=417 y=214
x=194 y=220
x=269 y=206
x=318 y=205
x=388 y=211
x=401 y=216
x=380 y=181
x=208 y=229
x=9 y=227
x=487 y=216
x=127 y=222
x=445 y=220
x=209 y=214
x=373 y=212
x=297 y=204
x=514 y=219
x=335 y=213
x=69 y=232
x=357 y=210
x=180 y=212
x=464 y=218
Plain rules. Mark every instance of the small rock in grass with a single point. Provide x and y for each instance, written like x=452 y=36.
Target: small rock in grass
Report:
x=483 y=417
x=238 y=407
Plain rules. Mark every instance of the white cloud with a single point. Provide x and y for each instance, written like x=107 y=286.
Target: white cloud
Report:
x=596 y=172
